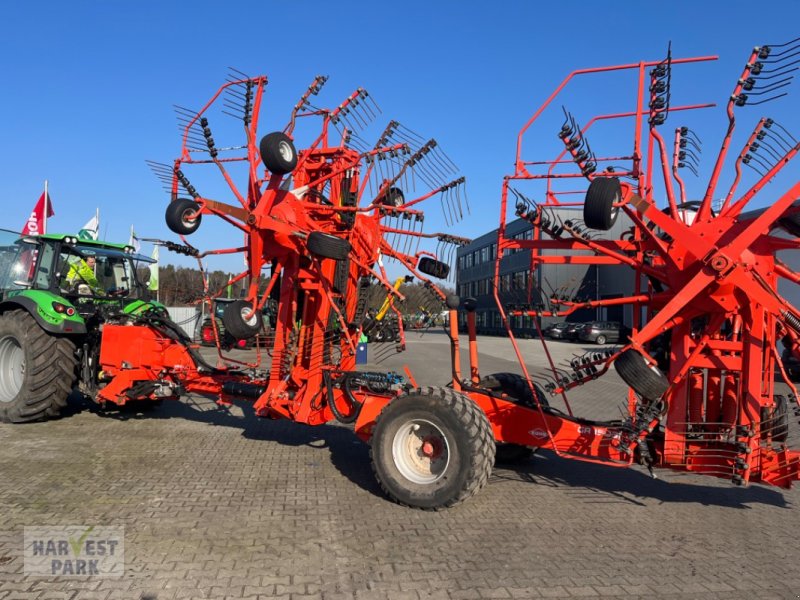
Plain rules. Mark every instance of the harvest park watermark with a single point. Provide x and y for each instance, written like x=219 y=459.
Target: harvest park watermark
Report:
x=75 y=551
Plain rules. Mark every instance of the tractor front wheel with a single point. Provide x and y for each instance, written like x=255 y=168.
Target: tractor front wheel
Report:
x=37 y=371
x=432 y=448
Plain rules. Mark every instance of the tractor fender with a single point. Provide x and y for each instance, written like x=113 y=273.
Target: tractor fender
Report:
x=49 y=321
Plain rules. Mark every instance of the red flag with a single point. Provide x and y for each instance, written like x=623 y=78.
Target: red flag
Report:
x=36 y=222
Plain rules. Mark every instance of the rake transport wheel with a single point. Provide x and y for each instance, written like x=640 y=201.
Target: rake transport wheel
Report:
x=599 y=211
x=326 y=245
x=393 y=197
x=182 y=216
x=37 y=370
x=278 y=153
x=239 y=322
x=516 y=388
x=646 y=380
x=433 y=267
x=432 y=448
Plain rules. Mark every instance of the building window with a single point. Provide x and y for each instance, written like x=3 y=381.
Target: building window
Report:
x=485 y=254
x=460 y=262
x=468 y=260
x=493 y=251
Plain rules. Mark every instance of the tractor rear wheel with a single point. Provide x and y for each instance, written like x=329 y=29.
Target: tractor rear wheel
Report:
x=278 y=153
x=326 y=245
x=599 y=211
x=37 y=370
x=646 y=380
x=432 y=448
x=516 y=388
x=183 y=216
x=239 y=322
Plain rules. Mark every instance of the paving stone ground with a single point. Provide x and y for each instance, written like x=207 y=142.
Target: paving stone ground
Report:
x=220 y=504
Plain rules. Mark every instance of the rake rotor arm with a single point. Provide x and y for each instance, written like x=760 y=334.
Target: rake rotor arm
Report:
x=312 y=90
x=673 y=208
x=678 y=179
x=376 y=154
x=259 y=81
x=735 y=209
x=705 y=207
x=738 y=164
x=519 y=169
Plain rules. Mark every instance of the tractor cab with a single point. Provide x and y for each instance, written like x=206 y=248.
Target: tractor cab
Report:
x=84 y=272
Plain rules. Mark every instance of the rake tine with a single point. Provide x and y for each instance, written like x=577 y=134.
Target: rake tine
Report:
x=450 y=208
x=770 y=150
x=232 y=106
x=457 y=192
x=411 y=133
x=352 y=113
x=372 y=115
x=786 y=131
x=435 y=169
x=444 y=212
x=232 y=91
x=447 y=164
x=408 y=238
x=371 y=100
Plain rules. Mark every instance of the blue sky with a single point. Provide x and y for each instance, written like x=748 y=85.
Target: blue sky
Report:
x=89 y=86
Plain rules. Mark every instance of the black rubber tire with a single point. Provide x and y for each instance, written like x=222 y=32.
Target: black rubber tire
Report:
x=647 y=381
x=278 y=153
x=598 y=207
x=393 y=197
x=464 y=431
x=326 y=245
x=47 y=374
x=178 y=213
x=235 y=324
x=433 y=267
x=516 y=387
x=601 y=339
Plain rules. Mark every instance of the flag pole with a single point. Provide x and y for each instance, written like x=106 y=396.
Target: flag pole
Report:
x=46 y=208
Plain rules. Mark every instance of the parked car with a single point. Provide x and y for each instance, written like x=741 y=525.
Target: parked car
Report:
x=573 y=331
x=556 y=331
x=603 y=332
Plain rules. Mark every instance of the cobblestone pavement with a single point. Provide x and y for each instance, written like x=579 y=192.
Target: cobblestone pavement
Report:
x=220 y=504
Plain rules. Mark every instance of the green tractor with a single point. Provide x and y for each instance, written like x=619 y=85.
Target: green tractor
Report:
x=56 y=291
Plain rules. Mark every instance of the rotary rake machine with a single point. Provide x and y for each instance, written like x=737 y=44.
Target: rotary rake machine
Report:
x=704 y=297
x=321 y=220
x=701 y=361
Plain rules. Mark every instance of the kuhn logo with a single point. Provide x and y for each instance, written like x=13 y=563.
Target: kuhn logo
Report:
x=539 y=434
